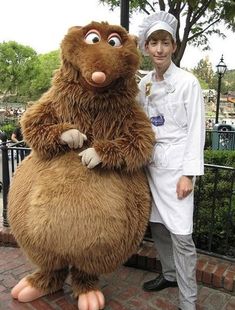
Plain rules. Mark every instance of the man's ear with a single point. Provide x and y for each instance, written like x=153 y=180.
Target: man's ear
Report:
x=146 y=47
x=174 y=47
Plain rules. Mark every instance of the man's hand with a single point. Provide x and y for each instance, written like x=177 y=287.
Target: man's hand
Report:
x=90 y=158
x=184 y=186
x=74 y=138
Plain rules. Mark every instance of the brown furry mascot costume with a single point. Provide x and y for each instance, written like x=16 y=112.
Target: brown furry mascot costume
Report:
x=80 y=202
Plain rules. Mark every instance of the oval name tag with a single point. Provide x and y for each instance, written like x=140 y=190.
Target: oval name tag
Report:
x=158 y=120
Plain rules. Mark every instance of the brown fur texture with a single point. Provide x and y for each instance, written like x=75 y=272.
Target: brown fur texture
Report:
x=62 y=213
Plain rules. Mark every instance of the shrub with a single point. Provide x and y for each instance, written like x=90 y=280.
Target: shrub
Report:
x=8 y=129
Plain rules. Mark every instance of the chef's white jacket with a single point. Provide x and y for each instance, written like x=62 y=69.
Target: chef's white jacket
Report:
x=176 y=109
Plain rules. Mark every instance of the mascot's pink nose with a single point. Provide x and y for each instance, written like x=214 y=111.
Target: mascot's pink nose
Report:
x=98 y=77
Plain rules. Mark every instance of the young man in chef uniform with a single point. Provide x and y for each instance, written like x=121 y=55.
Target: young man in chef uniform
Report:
x=172 y=99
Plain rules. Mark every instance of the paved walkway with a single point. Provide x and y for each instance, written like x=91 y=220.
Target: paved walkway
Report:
x=122 y=290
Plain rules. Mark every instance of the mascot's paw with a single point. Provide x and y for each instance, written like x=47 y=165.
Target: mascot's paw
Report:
x=90 y=158
x=73 y=138
x=24 y=292
x=93 y=300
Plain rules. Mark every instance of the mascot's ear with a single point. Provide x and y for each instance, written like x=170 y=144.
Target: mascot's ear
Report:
x=67 y=70
x=134 y=38
x=74 y=28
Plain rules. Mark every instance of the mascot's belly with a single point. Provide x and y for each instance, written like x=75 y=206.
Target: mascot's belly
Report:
x=64 y=207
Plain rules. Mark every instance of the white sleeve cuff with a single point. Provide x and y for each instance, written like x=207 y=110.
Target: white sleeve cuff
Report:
x=193 y=167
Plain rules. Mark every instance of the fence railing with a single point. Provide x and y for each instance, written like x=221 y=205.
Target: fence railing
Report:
x=12 y=155
x=214 y=217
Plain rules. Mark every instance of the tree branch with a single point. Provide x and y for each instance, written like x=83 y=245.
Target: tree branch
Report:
x=181 y=45
x=203 y=30
x=150 y=5
x=170 y=3
x=188 y=26
x=162 y=5
x=201 y=10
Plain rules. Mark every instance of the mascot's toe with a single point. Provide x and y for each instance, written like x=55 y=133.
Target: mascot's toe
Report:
x=19 y=287
x=30 y=293
x=93 y=300
x=24 y=292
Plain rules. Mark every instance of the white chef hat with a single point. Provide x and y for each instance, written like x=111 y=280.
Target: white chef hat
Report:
x=158 y=21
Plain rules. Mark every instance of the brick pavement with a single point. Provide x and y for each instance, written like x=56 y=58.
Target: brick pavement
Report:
x=122 y=290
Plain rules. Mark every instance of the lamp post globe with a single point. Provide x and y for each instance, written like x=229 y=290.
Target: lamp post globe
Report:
x=221 y=69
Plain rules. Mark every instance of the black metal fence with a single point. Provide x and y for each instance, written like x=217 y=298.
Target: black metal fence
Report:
x=12 y=155
x=214 y=218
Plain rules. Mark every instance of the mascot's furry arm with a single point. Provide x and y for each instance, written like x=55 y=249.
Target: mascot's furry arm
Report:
x=132 y=149
x=46 y=134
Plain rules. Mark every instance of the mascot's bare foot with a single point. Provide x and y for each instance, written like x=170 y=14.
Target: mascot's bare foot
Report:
x=93 y=300
x=24 y=292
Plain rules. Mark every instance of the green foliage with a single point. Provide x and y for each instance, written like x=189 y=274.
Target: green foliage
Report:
x=229 y=81
x=47 y=64
x=203 y=83
x=204 y=72
x=146 y=63
x=8 y=129
x=221 y=157
x=215 y=204
x=17 y=68
x=24 y=75
x=209 y=79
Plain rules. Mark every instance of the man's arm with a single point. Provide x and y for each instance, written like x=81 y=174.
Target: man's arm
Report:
x=13 y=138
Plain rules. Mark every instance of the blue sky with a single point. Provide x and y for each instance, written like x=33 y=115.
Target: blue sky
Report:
x=42 y=24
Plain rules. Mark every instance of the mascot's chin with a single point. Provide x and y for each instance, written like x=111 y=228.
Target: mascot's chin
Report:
x=79 y=203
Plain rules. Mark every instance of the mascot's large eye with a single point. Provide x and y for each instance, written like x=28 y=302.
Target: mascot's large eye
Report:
x=92 y=37
x=115 y=40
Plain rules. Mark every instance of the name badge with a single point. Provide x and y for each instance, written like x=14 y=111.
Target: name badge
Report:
x=158 y=120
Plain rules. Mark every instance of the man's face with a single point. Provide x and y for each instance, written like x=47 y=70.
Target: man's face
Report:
x=160 y=51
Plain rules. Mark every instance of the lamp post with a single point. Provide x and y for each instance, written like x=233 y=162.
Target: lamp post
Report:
x=221 y=69
x=125 y=14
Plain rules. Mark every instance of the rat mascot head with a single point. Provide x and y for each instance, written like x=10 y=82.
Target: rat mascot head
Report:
x=99 y=54
x=80 y=201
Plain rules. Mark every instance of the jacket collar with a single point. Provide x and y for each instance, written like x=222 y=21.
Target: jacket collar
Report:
x=169 y=71
x=167 y=75
x=168 y=78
